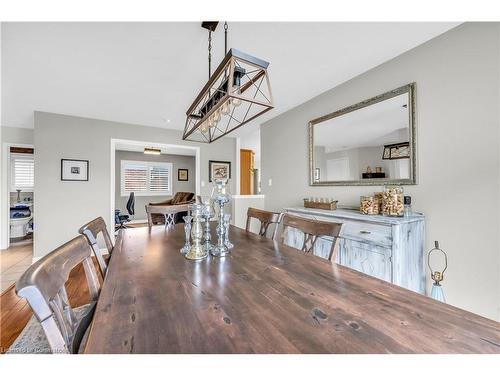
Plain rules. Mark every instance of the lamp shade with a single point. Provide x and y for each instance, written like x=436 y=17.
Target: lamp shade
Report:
x=237 y=92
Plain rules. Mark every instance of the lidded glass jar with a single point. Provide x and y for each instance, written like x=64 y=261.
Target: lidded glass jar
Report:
x=393 y=201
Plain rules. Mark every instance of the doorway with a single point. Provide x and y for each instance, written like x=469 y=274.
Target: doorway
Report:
x=247 y=172
x=17 y=211
x=156 y=173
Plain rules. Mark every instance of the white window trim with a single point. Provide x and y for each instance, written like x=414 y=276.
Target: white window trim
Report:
x=13 y=188
x=148 y=193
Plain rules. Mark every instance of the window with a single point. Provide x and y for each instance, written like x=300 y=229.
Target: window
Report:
x=146 y=178
x=22 y=172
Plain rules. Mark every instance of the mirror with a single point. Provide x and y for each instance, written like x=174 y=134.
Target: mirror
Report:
x=369 y=143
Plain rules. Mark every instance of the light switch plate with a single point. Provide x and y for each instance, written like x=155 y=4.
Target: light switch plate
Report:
x=270 y=182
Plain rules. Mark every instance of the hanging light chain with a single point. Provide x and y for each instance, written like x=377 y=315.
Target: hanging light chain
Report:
x=209 y=53
x=225 y=38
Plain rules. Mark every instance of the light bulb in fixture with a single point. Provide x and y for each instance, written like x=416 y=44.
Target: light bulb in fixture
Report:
x=204 y=127
x=216 y=117
x=210 y=122
x=236 y=102
x=225 y=108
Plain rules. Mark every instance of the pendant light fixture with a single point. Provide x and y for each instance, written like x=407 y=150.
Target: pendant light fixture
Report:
x=237 y=92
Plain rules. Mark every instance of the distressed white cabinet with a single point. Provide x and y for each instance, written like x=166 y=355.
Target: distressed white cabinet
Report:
x=389 y=248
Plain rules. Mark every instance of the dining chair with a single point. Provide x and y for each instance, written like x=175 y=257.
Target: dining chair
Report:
x=313 y=229
x=43 y=285
x=91 y=230
x=266 y=218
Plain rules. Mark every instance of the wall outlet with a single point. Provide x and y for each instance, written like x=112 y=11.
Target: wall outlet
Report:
x=202 y=183
x=270 y=182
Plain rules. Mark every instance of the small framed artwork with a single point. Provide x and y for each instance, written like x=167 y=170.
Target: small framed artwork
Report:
x=74 y=170
x=219 y=170
x=182 y=174
x=317 y=173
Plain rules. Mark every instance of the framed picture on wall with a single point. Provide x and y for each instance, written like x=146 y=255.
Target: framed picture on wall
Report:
x=219 y=170
x=74 y=170
x=182 y=174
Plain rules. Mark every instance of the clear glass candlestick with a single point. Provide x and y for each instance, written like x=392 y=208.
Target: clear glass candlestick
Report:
x=207 y=236
x=207 y=215
x=221 y=197
x=196 y=251
x=187 y=230
x=227 y=219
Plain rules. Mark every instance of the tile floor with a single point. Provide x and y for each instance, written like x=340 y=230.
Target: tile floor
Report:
x=14 y=261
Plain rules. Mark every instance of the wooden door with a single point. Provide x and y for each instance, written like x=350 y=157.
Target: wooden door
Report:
x=246 y=172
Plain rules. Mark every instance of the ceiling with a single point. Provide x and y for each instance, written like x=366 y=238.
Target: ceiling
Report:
x=149 y=73
x=375 y=125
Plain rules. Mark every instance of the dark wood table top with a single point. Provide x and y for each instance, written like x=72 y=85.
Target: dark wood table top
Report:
x=265 y=298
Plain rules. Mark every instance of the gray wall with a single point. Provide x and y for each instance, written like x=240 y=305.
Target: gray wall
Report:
x=178 y=161
x=63 y=206
x=16 y=135
x=457 y=77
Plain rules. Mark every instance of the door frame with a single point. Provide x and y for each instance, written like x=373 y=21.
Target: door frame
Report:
x=5 y=198
x=113 y=144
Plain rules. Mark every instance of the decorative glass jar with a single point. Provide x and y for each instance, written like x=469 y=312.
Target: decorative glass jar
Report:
x=392 y=201
x=379 y=197
x=369 y=206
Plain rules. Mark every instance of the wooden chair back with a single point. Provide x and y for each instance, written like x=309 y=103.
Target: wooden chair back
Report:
x=91 y=230
x=266 y=218
x=313 y=229
x=43 y=286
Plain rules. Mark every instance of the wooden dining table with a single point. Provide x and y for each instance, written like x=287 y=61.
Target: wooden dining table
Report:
x=265 y=297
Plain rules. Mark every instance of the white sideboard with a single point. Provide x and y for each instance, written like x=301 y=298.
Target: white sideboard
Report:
x=389 y=248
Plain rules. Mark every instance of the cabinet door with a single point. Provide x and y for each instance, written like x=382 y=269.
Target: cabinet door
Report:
x=367 y=258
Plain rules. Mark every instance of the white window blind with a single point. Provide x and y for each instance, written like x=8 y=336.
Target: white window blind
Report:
x=22 y=172
x=146 y=178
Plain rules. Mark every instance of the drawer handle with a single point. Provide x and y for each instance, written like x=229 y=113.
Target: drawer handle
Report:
x=365 y=232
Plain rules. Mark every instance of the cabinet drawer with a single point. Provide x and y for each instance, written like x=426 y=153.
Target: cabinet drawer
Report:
x=377 y=234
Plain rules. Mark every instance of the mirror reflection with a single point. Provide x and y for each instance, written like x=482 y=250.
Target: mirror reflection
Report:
x=366 y=145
